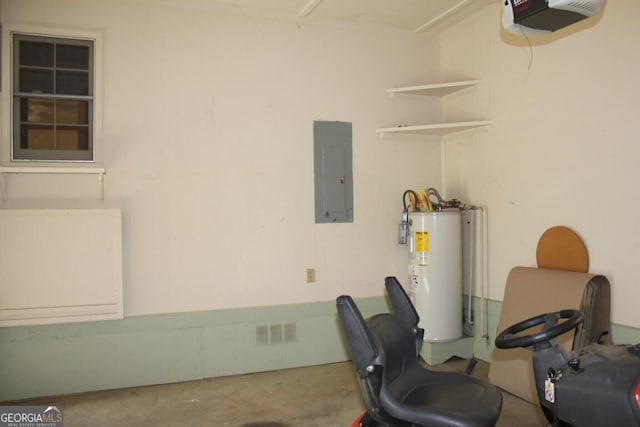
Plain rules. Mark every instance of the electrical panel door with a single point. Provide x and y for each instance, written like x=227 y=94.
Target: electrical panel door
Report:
x=332 y=154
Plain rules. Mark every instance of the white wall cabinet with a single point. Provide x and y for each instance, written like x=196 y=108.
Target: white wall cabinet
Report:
x=60 y=265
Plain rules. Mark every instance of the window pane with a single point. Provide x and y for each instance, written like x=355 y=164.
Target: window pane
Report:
x=36 y=81
x=36 y=54
x=70 y=56
x=52 y=98
x=37 y=137
x=72 y=112
x=72 y=83
x=36 y=110
x=72 y=138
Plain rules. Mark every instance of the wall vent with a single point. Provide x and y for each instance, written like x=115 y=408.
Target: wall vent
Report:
x=278 y=333
x=262 y=335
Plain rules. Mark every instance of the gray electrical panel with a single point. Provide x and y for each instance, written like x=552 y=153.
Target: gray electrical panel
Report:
x=332 y=159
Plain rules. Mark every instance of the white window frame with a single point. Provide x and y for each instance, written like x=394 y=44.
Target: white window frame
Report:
x=7 y=96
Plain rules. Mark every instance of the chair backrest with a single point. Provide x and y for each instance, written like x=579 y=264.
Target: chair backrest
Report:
x=396 y=342
x=403 y=307
x=382 y=347
x=400 y=301
x=360 y=341
x=365 y=355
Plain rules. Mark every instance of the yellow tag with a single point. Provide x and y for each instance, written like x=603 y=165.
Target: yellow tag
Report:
x=422 y=241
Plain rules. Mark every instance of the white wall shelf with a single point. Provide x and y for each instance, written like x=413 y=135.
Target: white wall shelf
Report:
x=100 y=172
x=434 y=90
x=436 y=128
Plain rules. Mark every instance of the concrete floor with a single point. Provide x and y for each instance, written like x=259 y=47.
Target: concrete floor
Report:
x=319 y=396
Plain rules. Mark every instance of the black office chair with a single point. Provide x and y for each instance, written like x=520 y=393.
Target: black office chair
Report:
x=398 y=390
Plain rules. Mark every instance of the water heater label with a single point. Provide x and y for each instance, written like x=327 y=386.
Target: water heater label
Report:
x=422 y=241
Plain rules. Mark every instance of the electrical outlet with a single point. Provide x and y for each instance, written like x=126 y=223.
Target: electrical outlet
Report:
x=311 y=275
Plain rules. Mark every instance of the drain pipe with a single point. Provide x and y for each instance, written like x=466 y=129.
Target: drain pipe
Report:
x=485 y=274
x=472 y=264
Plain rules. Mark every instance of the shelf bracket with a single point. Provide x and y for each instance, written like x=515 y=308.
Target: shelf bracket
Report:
x=101 y=179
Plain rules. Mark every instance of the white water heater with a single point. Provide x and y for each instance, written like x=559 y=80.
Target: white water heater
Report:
x=435 y=269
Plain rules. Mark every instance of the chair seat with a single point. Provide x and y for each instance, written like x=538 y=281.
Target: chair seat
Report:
x=437 y=399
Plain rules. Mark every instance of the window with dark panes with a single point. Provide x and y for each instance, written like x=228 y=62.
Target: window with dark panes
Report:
x=52 y=99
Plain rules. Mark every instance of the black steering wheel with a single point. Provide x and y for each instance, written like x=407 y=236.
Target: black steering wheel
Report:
x=509 y=339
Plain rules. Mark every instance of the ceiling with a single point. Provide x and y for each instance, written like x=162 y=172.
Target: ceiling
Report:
x=409 y=15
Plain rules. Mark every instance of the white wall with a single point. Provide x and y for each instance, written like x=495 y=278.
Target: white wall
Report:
x=208 y=147
x=563 y=148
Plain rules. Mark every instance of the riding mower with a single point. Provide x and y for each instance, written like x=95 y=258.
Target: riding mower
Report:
x=594 y=386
